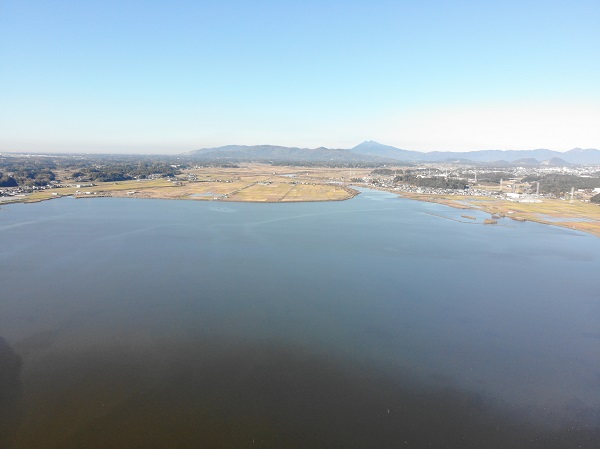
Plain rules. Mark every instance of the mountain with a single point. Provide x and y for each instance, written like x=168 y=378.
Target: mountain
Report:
x=374 y=152
x=575 y=156
x=555 y=162
x=372 y=148
x=282 y=154
x=509 y=155
x=581 y=156
x=527 y=161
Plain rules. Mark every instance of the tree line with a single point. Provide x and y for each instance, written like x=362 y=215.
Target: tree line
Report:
x=23 y=171
x=435 y=182
x=558 y=184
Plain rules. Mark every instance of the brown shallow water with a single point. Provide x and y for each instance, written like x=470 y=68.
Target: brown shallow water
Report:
x=205 y=394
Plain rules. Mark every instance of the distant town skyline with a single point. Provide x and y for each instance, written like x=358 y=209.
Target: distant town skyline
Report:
x=158 y=77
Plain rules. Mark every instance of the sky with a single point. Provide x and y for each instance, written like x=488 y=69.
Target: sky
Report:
x=174 y=76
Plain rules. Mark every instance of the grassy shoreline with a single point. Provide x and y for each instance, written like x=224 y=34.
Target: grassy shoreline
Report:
x=579 y=216
x=254 y=184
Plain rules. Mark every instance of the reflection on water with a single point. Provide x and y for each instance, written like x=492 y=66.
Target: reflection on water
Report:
x=10 y=393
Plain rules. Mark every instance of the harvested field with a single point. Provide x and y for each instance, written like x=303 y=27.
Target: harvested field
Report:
x=255 y=183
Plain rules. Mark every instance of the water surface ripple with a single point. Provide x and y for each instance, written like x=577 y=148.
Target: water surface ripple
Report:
x=372 y=322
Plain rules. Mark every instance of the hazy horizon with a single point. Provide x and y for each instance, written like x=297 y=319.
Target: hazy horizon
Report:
x=163 y=78
x=178 y=153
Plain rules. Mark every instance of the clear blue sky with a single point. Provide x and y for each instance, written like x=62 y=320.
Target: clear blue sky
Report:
x=173 y=76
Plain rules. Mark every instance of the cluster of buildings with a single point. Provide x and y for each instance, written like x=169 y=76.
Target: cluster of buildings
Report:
x=510 y=188
x=435 y=191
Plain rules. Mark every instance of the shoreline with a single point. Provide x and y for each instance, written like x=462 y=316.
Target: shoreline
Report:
x=496 y=208
x=351 y=193
x=507 y=209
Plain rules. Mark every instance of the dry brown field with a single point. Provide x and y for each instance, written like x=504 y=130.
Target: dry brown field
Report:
x=250 y=183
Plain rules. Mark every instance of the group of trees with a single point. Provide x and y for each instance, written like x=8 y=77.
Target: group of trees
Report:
x=435 y=182
x=493 y=177
x=7 y=181
x=103 y=174
x=422 y=178
x=557 y=184
x=383 y=171
x=40 y=171
x=124 y=171
x=26 y=172
x=27 y=177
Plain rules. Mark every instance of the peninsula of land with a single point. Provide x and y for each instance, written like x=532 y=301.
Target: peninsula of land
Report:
x=566 y=195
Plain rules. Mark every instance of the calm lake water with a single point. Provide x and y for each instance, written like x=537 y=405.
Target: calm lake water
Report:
x=370 y=323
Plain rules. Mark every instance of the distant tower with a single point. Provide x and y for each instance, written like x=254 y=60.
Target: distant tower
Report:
x=476 y=176
x=572 y=192
x=501 y=182
x=537 y=190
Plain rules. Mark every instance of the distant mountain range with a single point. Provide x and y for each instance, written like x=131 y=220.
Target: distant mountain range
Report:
x=277 y=153
x=370 y=151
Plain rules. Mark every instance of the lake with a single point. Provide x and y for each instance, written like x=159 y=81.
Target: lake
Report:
x=377 y=322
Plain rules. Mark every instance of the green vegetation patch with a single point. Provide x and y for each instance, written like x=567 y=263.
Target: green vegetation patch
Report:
x=558 y=184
